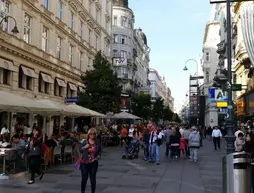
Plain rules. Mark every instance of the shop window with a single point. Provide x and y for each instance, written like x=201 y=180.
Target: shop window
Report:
x=44 y=87
x=5 y=76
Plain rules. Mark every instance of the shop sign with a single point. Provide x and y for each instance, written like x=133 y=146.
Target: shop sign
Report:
x=240 y=106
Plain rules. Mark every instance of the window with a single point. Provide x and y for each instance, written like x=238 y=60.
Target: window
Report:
x=70 y=54
x=5 y=76
x=81 y=56
x=115 y=53
x=115 y=20
x=60 y=10
x=27 y=28
x=44 y=39
x=123 y=23
x=89 y=36
x=58 y=90
x=81 y=29
x=97 y=15
x=207 y=56
x=115 y=38
x=123 y=54
x=43 y=87
x=5 y=11
x=123 y=39
x=46 y=4
x=25 y=82
x=59 y=47
x=207 y=77
x=71 y=20
x=70 y=91
x=96 y=42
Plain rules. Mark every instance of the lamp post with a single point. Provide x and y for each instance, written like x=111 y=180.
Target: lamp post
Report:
x=230 y=124
x=185 y=66
x=15 y=28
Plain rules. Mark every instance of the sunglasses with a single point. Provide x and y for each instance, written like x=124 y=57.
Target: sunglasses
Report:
x=91 y=133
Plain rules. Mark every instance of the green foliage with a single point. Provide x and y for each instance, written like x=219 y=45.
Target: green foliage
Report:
x=141 y=105
x=176 y=118
x=157 y=110
x=167 y=114
x=102 y=90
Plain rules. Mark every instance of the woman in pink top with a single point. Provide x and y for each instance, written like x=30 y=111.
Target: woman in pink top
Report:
x=90 y=150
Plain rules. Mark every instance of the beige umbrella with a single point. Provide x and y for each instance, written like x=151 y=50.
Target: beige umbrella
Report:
x=125 y=115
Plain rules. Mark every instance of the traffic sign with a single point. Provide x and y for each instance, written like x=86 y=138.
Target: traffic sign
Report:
x=236 y=87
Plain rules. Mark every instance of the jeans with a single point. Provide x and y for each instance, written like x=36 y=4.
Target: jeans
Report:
x=155 y=153
x=174 y=151
x=146 y=151
x=194 y=154
x=88 y=170
x=167 y=149
x=216 y=142
x=187 y=149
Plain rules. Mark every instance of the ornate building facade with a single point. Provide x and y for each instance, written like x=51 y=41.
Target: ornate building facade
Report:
x=56 y=43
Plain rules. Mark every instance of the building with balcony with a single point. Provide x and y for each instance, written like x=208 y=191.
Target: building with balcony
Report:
x=56 y=43
x=123 y=44
x=141 y=53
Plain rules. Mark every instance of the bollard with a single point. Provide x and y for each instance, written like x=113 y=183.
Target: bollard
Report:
x=236 y=168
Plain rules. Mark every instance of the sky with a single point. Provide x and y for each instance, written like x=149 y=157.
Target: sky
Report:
x=175 y=32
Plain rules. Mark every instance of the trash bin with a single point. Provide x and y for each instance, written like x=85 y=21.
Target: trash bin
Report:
x=236 y=170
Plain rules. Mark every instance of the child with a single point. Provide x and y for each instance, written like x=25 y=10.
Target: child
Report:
x=182 y=146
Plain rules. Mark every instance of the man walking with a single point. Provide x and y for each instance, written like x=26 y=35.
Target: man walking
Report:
x=216 y=135
x=185 y=135
x=167 y=136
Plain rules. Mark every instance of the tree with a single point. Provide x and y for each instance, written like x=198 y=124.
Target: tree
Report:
x=141 y=105
x=102 y=91
x=157 y=110
x=176 y=118
x=167 y=114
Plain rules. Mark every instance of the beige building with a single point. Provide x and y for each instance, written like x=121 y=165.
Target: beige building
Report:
x=56 y=43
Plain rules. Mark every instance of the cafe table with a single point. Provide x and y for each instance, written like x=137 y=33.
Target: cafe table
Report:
x=4 y=152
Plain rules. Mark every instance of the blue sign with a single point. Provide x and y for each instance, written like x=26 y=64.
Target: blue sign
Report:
x=211 y=95
x=71 y=99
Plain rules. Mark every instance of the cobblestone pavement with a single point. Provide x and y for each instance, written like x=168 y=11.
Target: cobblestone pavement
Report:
x=117 y=175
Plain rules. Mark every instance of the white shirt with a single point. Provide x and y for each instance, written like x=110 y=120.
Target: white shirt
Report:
x=181 y=130
x=4 y=130
x=131 y=130
x=155 y=137
x=216 y=133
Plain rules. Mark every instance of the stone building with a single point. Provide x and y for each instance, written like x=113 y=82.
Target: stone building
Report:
x=56 y=43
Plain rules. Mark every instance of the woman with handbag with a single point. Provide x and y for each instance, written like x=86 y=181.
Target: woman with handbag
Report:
x=90 y=150
x=33 y=150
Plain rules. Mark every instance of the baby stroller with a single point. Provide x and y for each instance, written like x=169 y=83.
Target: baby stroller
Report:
x=131 y=150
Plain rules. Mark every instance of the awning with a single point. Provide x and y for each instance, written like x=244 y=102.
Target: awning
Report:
x=81 y=89
x=82 y=111
x=72 y=86
x=6 y=64
x=124 y=115
x=29 y=72
x=47 y=78
x=15 y=103
x=61 y=83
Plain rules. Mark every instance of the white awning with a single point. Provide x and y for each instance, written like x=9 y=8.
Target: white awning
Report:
x=47 y=78
x=247 y=22
x=82 y=111
x=6 y=64
x=72 y=86
x=12 y=102
x=29 y=72
x=61 y=83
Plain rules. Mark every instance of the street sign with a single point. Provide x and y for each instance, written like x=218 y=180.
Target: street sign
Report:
x=220 y=95
x=236 y=87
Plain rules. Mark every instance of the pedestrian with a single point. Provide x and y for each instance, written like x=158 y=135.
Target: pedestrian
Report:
x=155 y=141
x=186 y=134
x=216 y=135
x=182 y=147
x=90 y=150
x=194 y=143
x=239 y=142
x=209 y=133
x=33 y=150
x=174 y=143
x=146 y=137
x=167 y=137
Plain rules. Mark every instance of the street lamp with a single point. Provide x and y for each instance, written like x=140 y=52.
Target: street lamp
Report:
x=15 y=28
x=185 y=66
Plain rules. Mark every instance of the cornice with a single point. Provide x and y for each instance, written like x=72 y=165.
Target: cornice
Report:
x=24 y=53
x=73 y=5
x=98 y=4
x=207 y=28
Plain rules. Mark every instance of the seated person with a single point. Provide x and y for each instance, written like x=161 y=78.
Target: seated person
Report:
x=6 y=142
x=18 y=143
x=52 y=142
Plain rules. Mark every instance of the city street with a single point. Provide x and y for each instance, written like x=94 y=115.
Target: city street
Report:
x=117 y=175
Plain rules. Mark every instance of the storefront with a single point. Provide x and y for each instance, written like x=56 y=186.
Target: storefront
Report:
x=240 y=108
x=249 y=105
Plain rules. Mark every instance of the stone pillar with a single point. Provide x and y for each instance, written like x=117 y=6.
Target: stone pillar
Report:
x=13 y=122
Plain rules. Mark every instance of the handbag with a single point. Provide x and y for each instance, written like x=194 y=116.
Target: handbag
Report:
x=78 y=161
x=34 y=151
